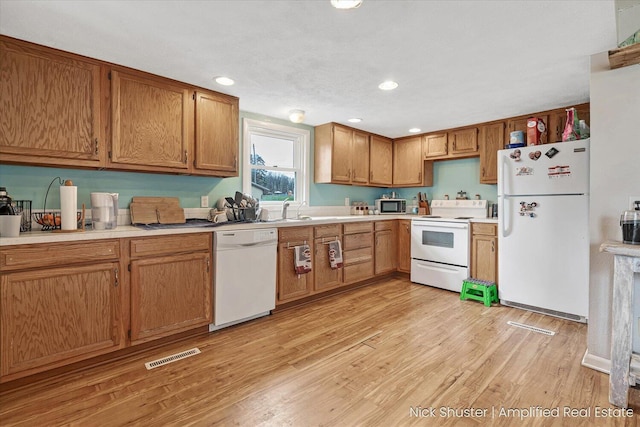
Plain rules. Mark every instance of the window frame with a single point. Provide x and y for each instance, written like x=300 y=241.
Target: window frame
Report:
x=302 y=142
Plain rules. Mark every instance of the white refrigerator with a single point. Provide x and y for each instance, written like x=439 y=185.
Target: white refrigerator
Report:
x=543 y=228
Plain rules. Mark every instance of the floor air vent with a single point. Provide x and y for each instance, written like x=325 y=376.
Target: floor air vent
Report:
x=531 y=328
x=172 y=358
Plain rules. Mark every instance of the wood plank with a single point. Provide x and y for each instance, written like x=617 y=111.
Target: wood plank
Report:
x=326 y=364
x=624 y=56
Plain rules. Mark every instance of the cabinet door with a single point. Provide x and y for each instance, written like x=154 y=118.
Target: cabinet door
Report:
x=51 y=317
x=435 y=145
x=408 y=164
x=50 y=107
x=491 y=140
x=150 y=128
x=360 y=158
x=385 y=251
x=325 y=277
x=404 y=246
x=216 y=145
x=290 y=284
x=341 y=155
x=170 y=294
x=380 y=161
x=464 y=141
x=484 y=257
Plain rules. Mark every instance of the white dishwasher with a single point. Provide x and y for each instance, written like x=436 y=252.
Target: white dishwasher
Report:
x=244 y=283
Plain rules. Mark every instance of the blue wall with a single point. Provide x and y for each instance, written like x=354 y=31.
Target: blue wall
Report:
x=30 y=183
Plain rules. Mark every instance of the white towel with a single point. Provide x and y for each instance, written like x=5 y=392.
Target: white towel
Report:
x=335 y=254
x=302 y=259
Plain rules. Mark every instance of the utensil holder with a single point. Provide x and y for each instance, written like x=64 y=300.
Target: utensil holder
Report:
x=24 y=208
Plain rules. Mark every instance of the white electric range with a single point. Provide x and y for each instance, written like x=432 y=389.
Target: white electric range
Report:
x=440 y=243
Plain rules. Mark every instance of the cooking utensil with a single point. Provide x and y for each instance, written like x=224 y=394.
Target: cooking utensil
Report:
x=232 y=204
x=238 y=199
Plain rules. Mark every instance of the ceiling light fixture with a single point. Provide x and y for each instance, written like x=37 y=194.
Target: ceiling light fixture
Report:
x=346 y=4
x=296 y=116
x=415 y=130
x=355 y=120
x=388 y=85
x=224 y=81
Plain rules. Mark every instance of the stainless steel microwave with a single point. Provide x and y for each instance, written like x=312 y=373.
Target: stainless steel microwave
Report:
x=391 y=206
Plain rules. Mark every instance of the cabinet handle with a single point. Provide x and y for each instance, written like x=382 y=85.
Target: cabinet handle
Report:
x=95 y=144
x=185 y=157
x=207 y=264
x=117 y=281
x=483 y=174
x=235 y=161
x=419 y=176
x=371 y=176
x=493 y=249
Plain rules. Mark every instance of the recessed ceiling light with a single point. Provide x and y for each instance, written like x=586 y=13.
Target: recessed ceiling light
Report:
x=388 y=85
x=415 y=130
x=296 y=116
x=355 y=120
x=224 y=81
x=346 y=4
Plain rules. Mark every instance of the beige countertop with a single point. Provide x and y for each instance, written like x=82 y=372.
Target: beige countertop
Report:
x=124 y=231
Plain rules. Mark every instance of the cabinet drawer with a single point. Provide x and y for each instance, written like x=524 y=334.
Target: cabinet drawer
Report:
x=54 y=254
x=329 y=230
x=486 y=229
x=358 y=227
x=358 y=272
x=355 y=241
x=357 y=256
x=295 y=234
x=383 y=225
x=168 y=245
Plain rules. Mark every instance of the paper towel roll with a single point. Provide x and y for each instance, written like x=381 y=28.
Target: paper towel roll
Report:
x=69 y=207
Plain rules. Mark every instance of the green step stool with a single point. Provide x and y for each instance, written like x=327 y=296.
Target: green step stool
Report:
x=479 y=290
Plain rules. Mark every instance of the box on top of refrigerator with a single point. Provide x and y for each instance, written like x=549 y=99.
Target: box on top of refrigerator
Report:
x=536 y=131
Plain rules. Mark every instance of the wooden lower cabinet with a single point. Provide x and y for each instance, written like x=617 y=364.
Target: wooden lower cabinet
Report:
x=54 y=312
x=291 y=285
x=326 y=277
x=484 y=251
x=404 y=245
x=385 y=245
x=358 y=251
x=171 y=285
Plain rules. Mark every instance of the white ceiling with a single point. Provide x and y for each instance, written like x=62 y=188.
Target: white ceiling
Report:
x=457 y=62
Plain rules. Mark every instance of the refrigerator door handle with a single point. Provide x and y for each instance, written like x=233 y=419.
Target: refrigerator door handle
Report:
x=505 y=214
x=504 y=165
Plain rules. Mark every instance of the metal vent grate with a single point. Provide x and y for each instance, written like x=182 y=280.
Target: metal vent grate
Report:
x=531 y=328
x=172 y=358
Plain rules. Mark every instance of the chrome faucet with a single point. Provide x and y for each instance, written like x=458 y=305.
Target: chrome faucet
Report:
x=285 y=205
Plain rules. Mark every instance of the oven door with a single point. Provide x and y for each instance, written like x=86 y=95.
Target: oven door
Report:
x=439 y=241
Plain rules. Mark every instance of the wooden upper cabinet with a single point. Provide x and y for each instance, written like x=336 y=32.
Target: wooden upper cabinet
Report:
x=341 y=155
x=463 y=141
x=360 y=158
x=50 y=107
x=150 y=123
x=216 y=133
x=491 y=140
x=435 y=145
x=409 y=168
x=380 y=161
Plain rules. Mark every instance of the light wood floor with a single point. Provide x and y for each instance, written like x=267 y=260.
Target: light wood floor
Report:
x=365 y=357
